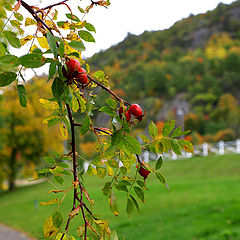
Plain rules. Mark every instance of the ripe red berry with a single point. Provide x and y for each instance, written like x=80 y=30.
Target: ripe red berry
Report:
x=73 y=65
x=128 y=116
x=135 y=110
x=143 y=172
x=81 y=76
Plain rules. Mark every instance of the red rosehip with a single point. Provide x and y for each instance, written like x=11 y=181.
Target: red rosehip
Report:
x=81 y=76
x=66 y=73
x=128 y=116
x=135 y=110
x=143 y=172
x=73 y=65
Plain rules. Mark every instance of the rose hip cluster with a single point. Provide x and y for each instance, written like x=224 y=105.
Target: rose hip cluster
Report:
x=134 y=110
x=74 y=71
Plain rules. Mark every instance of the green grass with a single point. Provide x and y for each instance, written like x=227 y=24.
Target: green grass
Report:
x=203 y=204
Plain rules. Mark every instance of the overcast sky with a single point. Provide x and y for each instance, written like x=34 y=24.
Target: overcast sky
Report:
x=134 y=16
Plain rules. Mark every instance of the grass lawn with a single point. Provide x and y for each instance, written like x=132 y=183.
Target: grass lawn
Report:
x=203 y=204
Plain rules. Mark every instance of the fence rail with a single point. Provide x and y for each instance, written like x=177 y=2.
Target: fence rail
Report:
x=204 y=149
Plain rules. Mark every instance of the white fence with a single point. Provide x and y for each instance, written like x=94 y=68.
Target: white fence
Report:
x=204 y=149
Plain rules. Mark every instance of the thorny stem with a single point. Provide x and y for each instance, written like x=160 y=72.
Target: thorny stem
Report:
x=109 y=91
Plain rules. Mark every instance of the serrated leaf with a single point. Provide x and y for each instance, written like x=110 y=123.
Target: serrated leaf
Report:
x=144 y=138
x=90 y=27
x=59 y=179
x=166 y=144
x=29 y=21
x=85 y=126
x=175 y=146
x=86 y=36
x=57 y=170
x=131 y=144
x=101 y=171
x=12 y=39
x=72 y=17
x=57 y=87
x=9 y=61
x=43 y=42
x=75 y=105
x=130 y=206
x=178 y=132
x=107 y=189
x=49 y=229
x=22 y=95
x=52 y=69
x=52 y=43
x=152 y=129
x=111 y=103
x=107 y=110
x=49 y=104
x=7 y=78
x=135 y=202
x=162 y=179
x=139 y=193
x=168 y=127
x=57 y=219
x=186 y=145
x=18 y=16
x=112 y=200
x=49 y=160
x=32 y=60
x=52 y=201
x=63 y=131
x=91 y=170
x=77 y=45
x=2 y=49
x=99 y=74
x=159 y=163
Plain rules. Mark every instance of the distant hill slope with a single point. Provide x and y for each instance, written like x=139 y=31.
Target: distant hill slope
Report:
x=192 y=68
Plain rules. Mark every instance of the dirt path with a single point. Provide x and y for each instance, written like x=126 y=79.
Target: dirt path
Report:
x=7 y=233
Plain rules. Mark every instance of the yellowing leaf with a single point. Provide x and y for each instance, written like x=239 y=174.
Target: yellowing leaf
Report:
x=49 y=229
x=24 y=40
x=43 y=42
x=56 y=191
x=65 y=26
x=49 y=104
x=52 y=201
x=33 y=47
x=63 y=131
x=110 y=170
x=30 y=21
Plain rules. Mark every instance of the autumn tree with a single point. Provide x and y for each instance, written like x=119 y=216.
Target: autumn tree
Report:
x=59 y=43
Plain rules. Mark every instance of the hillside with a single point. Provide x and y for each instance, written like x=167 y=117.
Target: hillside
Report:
x=190 y=72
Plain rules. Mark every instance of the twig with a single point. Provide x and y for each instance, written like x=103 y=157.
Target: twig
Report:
x=53 y=5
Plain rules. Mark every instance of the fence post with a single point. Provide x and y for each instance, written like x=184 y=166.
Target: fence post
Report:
x=205 y=149
x=221 y=147
x=238 y=145
x=174 y=156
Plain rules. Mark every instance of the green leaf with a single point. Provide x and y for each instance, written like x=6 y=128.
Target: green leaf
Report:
x=9 y=61
x=114 y=235
x=6 y=78
x=141 y=183
x=111 y=103
x=101 y=171
x=57 y=87
x=144 y=138
x=130 y=206
x=139 y=193
x=86 y=36
x=107 y=110
x=85 y=126
x=135 y=202
x=77 y=45
x=52 y=69
x=12 y=39
x=166 y=144
x=59 y=179
x=18 y=16
x=57 y=219
x=32 y=60
x=152 y=129
x=99 y=74
x=52 y=43
x=22 y=95
x=63 y=165
x=81 y=10
x=75 y=105
x=112 y=200
x=159 y=163
x=90 y=27
x=61 y=49
x=131 y=144
x=49 y=160
x=178 y=132
x=72 y=17
x=186 y=145
x=107 y=189
x=168 y=127
x=2 y=49
x=175 y=146
x=162 y=179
